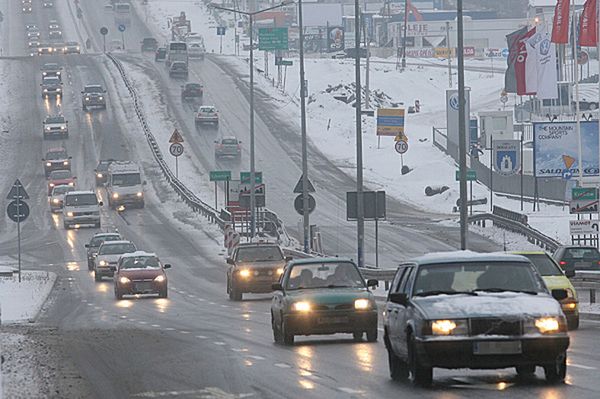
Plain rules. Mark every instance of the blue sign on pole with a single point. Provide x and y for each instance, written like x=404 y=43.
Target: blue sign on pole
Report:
x=121 y=28
x=221 y=30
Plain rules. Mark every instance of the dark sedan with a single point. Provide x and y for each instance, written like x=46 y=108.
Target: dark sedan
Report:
x=577 y=257
x=101 y=171
x=141 y=273
x=94 y=244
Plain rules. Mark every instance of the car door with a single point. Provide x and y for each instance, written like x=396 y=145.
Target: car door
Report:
x=402 y=315
x=392 y=308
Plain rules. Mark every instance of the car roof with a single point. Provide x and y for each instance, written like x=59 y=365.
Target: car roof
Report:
x=106 y=234
x=137 y=253
x=308 y=261
x=468 y=256
x=229 y=138
x=61 y=185
x=577 y=246
x=525 y=253
x=81 y=192
x=117 y=242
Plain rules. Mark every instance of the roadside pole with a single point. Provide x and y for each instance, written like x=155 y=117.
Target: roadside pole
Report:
x=462 y=138
x=368 y=47
x=19 y=230
x=521 y=172
x=305 y=204
x=491 y=173
x=449 y=54
x=404 y=35
x=360 y=214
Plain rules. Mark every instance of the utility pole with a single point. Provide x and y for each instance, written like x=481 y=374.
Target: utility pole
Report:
x=360 y=216
x=305 y=205
x=367 y=45
x=404 y=35
x=449 y=54
x=462 y=137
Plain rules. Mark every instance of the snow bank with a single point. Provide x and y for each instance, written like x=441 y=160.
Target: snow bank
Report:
x=22 y=301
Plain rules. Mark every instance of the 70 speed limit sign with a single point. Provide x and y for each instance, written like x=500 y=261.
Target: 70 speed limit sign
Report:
x=401 y=147
x=176 y=149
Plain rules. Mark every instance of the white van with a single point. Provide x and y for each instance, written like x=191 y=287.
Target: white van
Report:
x=81 y=208
x=124 y=185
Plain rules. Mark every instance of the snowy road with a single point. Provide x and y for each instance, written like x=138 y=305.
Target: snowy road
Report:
x=196 y=343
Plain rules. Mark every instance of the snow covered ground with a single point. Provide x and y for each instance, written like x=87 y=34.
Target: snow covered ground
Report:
x=22 y=301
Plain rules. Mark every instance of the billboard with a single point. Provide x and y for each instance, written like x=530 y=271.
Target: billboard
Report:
x=320 y=14
x=390 y=121
x=556 y=149
x=452 y=113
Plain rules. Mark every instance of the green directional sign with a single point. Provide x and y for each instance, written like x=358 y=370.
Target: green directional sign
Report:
x=245 y=177
x=220 y=175
x=271 y=39
x=583 y=193
x=471 y=175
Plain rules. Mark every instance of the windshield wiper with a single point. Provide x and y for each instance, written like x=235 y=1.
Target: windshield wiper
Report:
x=507 y=290
x=441 y=292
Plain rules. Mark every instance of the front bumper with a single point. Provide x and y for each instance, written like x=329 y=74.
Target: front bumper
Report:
x=53 y=93
x=92 y=102
x=256 y=285
x=141 y=287
x=127 y=200
x=56 y=133
x=82 y=219
x=330 y=322
x=458 y=353
x=106 y=271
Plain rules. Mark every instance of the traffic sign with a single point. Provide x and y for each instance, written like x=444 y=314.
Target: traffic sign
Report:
x=122 y=28
x=504 y=99
x=17 y=210
x=584 y=193
x=270 y=39
x=401 y=147
x=299 y=204
x=583 y=206
x=299 y=186
x=390 y=121
x=400 y=137
x=245 y=177
x=176 y=149
x=221 y=30
x=17 y=191
x=471 y=175
x=176 y=137
x=220 y=175
x=104 y=31
x=583 y=227
x=279 y=61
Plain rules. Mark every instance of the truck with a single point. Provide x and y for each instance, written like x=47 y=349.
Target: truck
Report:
x=180 y=27
x=124 y=184
x=176 y=51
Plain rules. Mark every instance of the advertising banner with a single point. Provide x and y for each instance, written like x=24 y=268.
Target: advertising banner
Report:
x=335 y=39
x=556 y=149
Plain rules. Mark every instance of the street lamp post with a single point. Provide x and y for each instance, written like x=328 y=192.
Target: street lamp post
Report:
x=252 y=151
x=305 y=212
x=360 y=219
x=462 y=137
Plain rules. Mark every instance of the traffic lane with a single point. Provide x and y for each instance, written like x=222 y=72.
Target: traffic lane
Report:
x=15 y=43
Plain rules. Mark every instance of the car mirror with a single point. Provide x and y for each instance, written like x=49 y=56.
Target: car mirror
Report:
x=100 y=203
x=87 y=245
x=167 y=266
x=144 y=182
x=216 y=141
x=230 y=261
x=74 y=177
x=372 y=283
x=43 y=159
x=559 y=294
x=288 y=258
x=70 y=157
x=400 y=298
x=277 y=287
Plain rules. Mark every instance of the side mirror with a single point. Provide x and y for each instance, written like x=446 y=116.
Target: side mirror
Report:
x=277 y=287
x=216 y=141
x=43 y=159
x=82 y=92
x=70 y=157
x=87 y=245
x=289 y=258
x=144 y=183
x=230 y=261
x=167 y=266
x=559 y=294
x=400 y=298
x=74 y=177
x=100 y=203
x=372 y=283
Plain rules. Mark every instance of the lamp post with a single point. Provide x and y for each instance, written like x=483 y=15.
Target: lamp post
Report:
x=305 y=211
x=360 y=216
x=252 y=157
x=462 y=137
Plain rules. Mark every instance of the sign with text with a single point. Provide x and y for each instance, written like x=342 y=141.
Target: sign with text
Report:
x=390 y=121
x=583 y=227
x=507 y=156
x=271 y=39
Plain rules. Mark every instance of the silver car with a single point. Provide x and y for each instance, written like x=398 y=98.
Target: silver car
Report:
x=228 y=147
x=108 y=256
x=57 y=196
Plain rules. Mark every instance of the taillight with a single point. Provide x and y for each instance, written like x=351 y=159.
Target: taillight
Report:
x=562 y=263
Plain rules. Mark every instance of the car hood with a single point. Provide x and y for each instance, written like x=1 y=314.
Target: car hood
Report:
x=487 y=305
x=140 y=274
x=261 y=265
x=559 y=282
x=109 y=258
x=328 y=296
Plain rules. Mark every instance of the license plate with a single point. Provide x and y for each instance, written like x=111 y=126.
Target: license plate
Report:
x=333 y=320
x=497 y=348
x=582 y=264
x=143 y=287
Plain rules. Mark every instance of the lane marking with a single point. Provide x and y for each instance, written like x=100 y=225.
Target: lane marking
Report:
x=201 y=336
x=350 y=391
x=156 y=325
x=255 y=357
x=169 y=329
x=283 y=365
x=219 y=343
x=184 y=332
x=580 y=366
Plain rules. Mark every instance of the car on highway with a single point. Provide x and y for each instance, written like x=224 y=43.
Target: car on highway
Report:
x=149 y=44
x=206 y=114
x=51 y=69
x=31 y=27
x=51 y=87
x=124 y=185
x=55 y=126
x=191 y=91
x=59 y=177
x=71 y=48
x=81 y=208
x=57 y=197
x=101 y=171
x=178 y=69
x=196 y=49
x=468 y=310
x=140 y=273
x=33 y=44
x=323 y=296
x=160 y=54
x=48 y=3
x=53 y=25
x=254 y=267
x=108 y=8
x=95 y=242
x=45 y=49
x=229 y=147
x=108 y=256
x=33 y=33
x=56 y=159
x=556 y=278
x=27 y=8
x=577 y=257
x=55 y=34
x=93 y=95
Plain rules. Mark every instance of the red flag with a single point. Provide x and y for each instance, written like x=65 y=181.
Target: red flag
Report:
x=560 y=26
x=520 y=64
x=414 y=11
x=588 y=21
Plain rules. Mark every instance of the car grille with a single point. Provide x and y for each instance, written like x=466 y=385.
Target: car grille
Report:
x=84 y=213
x=495 y=326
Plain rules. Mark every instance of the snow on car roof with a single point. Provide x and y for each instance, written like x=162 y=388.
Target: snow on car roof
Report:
x=81 y=192
x=468 y=256
x=117 y=242
x=138 y=254
x=320 y=260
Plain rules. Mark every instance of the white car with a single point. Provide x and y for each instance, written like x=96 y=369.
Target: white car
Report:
x=71 y=48
x=56 y=125
x=58 y=195
x=207 y=114
x=108 y=256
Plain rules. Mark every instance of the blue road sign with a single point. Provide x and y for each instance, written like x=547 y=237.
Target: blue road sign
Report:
x=121 y=28
x=221 y=30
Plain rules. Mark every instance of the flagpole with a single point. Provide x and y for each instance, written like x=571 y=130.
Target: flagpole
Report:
x=576 y=77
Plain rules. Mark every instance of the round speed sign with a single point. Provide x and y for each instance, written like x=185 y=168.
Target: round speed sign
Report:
x=401 y=147
x=176 y=149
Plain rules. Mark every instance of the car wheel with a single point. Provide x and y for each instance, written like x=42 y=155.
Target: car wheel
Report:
x=118 y=294
x=573 y=322
x=90 y=266
x=66 y=226
x=288 y=339
x=276 y=333
x=525 y=371
x=556 y=372
x=97 y=225
x=163 y=293
x=398 y=368
x=419 y=375
x=357 y=335
x=84 y=107
x=234 y=293
x=372 y=334
x=141 y=205
x=97 y=277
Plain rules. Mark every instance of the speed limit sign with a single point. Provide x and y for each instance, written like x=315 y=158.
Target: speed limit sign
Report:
x=176 y=149
x=401 y=147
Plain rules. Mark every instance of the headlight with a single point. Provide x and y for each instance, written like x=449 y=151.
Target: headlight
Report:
x=124 y=280
x=449 y=327
x=65 y=163
x=302 y=306
x=99 y=175
x=48 y=164
x=44 y=73
x=569 y=306
x=51 y=184
x=45 y=90
x=100 y=98
x=55 y=201
x=280 y=271
x=59 y=89
x=87 y=99
x=160 y=279
x=245 y=273
x=547 y=325
x=71 y=183
x=115 y=195
x=362 y=304
x=140 y=194
x=70 y=214
x=48 y=127
x=103 y=263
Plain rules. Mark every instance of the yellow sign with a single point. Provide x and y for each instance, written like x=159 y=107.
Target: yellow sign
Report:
x=401 y=137
x=390 y=121
x=442 y=52
x=176 y=137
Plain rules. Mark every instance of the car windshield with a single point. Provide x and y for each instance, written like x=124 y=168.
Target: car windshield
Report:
x=229 y=141
x=53 y=155
x=50 y=67
x=115 y=249
x=192 y=86
x=582 y=254
x=324 y=275
x=140 y=262
x=51 y=80
x=60 y=174
x=55 y=119
x=259 y=254
x=544 y=264
x=59 y=190
x=470 y=277
x=102 y=166
x=92 y=89
x=72 y=44
x=81 y=200
x=96 y=241
x=126 y=179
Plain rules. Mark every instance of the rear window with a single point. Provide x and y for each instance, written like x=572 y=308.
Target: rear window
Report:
x=60 y=174
x=229 y=141
x=115 y=249
x=96 y=241
x=51 y=80
x=177 y=46
x=544 y=264
x=582 y=254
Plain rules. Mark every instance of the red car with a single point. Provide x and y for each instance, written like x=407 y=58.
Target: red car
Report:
x=140 y=273
x=60 y=177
